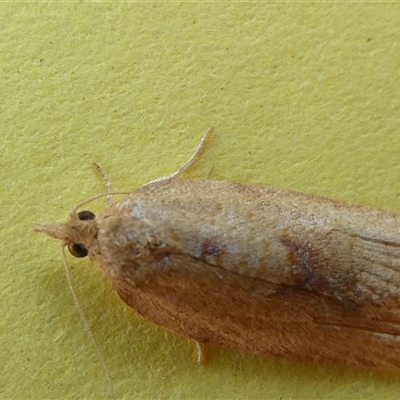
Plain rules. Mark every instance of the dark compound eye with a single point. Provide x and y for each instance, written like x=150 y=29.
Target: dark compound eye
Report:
x=78 y=250
x=86 y=215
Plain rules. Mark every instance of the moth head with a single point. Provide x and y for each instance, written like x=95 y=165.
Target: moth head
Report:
x=79 y=250
x=77 y=233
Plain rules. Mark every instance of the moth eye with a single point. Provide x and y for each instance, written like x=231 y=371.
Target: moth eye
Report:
x=86 y=215
x=78 y=250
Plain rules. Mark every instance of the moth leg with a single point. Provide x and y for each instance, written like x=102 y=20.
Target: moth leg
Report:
x=106 y=181
x=189 y=162
x=202 y=353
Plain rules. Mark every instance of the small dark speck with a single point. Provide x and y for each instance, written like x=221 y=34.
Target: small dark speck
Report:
x=369 y=39
x=222 y=88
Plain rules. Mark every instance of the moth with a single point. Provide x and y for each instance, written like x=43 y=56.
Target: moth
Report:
x=257 y=269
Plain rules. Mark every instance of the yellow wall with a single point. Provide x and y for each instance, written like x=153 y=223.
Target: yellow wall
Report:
x=301 y=95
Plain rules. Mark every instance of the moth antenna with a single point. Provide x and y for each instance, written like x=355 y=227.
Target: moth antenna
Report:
x=107 y=182
x=189 y=162
x=86 y=324
x=90 y=199
x=209 y=172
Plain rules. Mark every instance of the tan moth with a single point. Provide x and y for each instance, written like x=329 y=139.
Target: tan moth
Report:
x=258 y=269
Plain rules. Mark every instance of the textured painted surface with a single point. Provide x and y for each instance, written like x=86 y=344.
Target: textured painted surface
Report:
x=302 y=96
